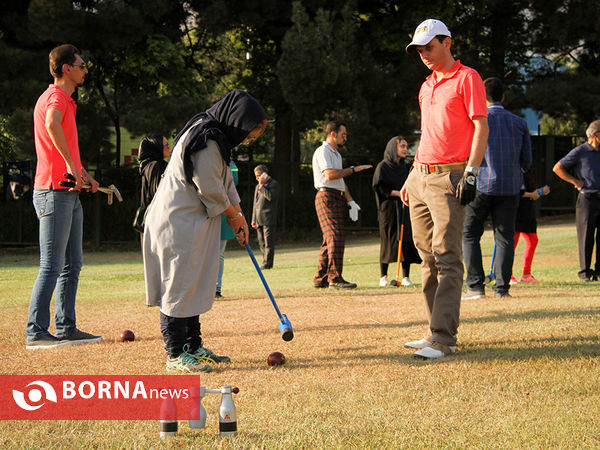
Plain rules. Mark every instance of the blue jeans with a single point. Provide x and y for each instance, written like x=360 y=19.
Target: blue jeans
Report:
x=61 y=258
x=503 y=209
x=221 y=265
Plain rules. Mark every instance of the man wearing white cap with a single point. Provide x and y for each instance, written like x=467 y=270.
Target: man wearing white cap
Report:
x=454 y=133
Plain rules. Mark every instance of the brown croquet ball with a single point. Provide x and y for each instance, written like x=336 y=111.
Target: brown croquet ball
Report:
x=127 y=335
x=276 y=359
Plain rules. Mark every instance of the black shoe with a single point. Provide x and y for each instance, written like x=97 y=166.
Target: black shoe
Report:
x=47 y=341
x=218 y=294
x=320 y=286
x=502 y=295
x=266 y=267
x=78 y=337
x=342 y=284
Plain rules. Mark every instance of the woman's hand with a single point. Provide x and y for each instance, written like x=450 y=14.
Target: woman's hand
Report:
x=240 y=227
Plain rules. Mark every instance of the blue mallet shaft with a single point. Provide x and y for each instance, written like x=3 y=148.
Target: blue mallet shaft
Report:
x=264 y=282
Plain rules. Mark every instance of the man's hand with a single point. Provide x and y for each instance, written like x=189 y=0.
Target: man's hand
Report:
x=88 y=179
x=254 y=224
x=404 y=195
x=466 y=189
x=363 y=167
x=354 y=209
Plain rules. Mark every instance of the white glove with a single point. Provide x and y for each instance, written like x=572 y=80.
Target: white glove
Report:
x=354 y=209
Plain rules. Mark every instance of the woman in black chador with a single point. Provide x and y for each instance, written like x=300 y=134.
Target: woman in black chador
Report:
x=390 y=175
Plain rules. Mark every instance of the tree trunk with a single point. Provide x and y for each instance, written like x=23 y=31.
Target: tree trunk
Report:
x=117 y=124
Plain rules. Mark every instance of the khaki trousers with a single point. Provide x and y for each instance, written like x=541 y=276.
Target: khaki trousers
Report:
x=437 y=225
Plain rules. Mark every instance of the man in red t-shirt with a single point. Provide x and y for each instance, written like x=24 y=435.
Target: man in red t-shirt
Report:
x=454 y=133
x=57 y=207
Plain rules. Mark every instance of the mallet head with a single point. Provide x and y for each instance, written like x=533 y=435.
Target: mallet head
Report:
x=393 y=283
x=116 y=191
x=285 y=328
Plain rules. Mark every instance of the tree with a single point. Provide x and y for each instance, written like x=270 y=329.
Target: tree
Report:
x=565 y=84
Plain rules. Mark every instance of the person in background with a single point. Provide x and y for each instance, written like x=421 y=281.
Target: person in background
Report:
x=330 y=203
x=585 y=159
x=227 y=234
x=526 y=224
x=58 y=208
x=390 y=174
x=264 y=213
x=508 y=153
x=152 y=153
x=182 y=233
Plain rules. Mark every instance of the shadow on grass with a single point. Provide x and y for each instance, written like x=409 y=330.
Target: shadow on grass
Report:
x=529 y=315
x=554 y=348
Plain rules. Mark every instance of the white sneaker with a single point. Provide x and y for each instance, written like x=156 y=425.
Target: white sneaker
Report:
x=406 y=282
x=422 y=343
x=435 y=350
x=384 y=281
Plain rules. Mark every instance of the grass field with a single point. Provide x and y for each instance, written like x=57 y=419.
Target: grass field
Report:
x=526 y=375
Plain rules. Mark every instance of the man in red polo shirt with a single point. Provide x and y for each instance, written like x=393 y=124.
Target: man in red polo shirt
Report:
x=454 y=133
x=57 y=207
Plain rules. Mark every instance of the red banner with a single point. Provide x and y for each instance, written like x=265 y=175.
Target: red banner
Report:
x=99 y=397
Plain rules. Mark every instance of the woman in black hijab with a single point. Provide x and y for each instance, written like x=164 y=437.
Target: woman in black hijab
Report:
x=182 y=235
x=152 y=152
x=390 y=174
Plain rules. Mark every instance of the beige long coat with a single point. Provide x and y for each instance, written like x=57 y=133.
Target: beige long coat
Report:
x=182 y=233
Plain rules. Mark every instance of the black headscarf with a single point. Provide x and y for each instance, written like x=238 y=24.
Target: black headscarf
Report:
x=390 y=171
x=228 y=122
x=151 y=149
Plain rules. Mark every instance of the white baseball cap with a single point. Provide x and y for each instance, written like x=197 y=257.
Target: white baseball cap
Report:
x=426 y=31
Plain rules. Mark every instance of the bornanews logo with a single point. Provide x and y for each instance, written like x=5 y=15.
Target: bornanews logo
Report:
x=98 y=397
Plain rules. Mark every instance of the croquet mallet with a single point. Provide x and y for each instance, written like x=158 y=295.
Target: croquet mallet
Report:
x=110 y=190
x=285 y=327
x=396 y=282
x=491 y=276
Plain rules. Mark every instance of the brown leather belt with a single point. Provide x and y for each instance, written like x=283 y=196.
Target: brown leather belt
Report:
x=439 y=168
x=334 y=191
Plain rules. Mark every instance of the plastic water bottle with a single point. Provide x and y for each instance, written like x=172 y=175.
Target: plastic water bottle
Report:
x=227 y=414
x=168 y=419
x=540 y=191
x=198 y=413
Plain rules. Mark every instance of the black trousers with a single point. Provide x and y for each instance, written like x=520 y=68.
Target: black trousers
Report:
x=587 y=219
x=266 y=242
x=178 y=331
x=503 y=209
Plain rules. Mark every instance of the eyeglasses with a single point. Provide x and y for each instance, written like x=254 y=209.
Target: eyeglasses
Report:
x=82 y=66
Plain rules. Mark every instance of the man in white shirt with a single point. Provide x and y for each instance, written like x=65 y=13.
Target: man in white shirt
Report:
x=332 y=193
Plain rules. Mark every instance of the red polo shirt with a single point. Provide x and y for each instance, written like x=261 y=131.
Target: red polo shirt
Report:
x=448 y=107
x=50 y=164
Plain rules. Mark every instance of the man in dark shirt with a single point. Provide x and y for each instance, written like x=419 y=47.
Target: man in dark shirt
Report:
x=264 y=213
x=585 y=160
x=498 y=187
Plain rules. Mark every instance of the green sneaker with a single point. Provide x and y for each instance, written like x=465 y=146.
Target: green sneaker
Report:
x=203 y=354
x=186 y=363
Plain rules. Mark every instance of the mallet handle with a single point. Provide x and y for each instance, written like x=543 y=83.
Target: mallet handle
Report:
x=264 y=282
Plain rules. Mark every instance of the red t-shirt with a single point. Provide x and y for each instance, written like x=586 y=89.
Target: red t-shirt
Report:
x=51 y=166
x=448 y=107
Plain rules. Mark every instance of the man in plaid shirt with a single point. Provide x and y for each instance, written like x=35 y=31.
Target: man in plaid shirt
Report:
x=498 y=188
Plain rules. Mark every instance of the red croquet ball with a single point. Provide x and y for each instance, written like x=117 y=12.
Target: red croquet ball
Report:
x=127 y=335
x=276 y=359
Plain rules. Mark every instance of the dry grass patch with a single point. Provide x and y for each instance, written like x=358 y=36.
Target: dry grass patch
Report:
x=526 y=374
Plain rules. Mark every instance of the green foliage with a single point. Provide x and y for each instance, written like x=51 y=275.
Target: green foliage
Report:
x=565 y=126
x=7 y=143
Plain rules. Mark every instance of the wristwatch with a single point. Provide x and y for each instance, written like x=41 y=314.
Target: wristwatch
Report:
x=352 y=167
x=472 y=169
